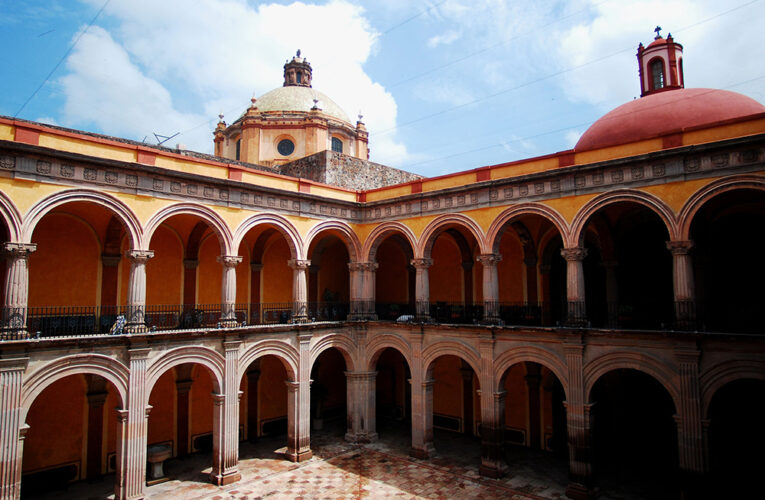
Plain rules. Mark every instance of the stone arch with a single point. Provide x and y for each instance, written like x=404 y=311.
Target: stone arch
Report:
x=341 y=342
x=652 y=202
x=214 y=220
x=11 y=216
x=642 y=362
x=384 y=341
x=493 y=236
x=435 y=227
x=285 y=227
x=706 y=193
x=534 y=354
x=204 y=356
x=122 y=211
x=378 y=235
x=281 y=350
x=723 y=373
x=75 y=364
x=344 y=231
x=454 y=348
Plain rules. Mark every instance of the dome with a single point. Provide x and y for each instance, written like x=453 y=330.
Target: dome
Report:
x=295 y=98
x=664 y=112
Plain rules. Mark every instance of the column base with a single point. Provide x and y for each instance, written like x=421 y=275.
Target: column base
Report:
x=299 y=456
x=427 y=451
x=361 y=437
x=228 y=323
x=579 y=491
x=134 y=328
x=301 y=319
x=493 y=470
x=225 y=478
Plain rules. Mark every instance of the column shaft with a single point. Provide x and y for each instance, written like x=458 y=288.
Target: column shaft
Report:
x=136 y=295
x=12 y=429
x=422 y=290
x=299 y=406
x=299 y=290
x=14 y=319
x=683 y=284
x=228 y=289
x=578 y=415
x=490 y=286
x=132 y=431
x=577 y=315
x=361 y=406
x=226 y=421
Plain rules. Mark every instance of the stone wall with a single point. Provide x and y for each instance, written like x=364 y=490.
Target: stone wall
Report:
x=345 y=171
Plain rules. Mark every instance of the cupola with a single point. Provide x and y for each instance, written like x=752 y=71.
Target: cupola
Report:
x=297 y=72
x=660 y=65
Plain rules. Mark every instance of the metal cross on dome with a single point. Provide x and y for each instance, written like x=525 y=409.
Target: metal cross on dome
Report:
x=658 y=31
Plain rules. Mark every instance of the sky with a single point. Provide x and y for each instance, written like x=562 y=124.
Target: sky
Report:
x=443 y=85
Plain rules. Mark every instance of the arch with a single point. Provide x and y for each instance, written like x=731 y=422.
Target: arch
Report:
x=75 y=364
x=716 y=377
x=11 y=216
x=214 y=220
x=656 y=74
x=494 y=235
x=346 y=234
x=341 y=342
x=384 y=341
x=204 y=356
x=436 y=226
x=454 y=348
x=534 y=354
x=576 y=234
x=380 y=233
x=125 y=214
x=642 y=362
x=706 y=193
x=282 y=350
x=281 y=224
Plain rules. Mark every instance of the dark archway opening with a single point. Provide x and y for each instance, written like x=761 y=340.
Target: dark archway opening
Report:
x=736 y=439
x=328 y=394
x=393 y=396
x=634 y=435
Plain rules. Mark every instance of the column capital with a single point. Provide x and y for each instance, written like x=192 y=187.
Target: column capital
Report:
x=489 y=259
x=139 y=353
x=19 y=250
x=139 y=256
x=190 y=263
x=183 y=386
x=680 y=247
x=361 y=375
x=218 y=399
x=370 y=266
x=299 y=263
x=292 y=386
x=229 y=260
x=13 y=364
x=421 y=263
x=111 y=260
x=574 y=254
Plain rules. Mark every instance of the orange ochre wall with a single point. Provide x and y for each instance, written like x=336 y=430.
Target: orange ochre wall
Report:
x=272 y=390
x=59 y=440
x=516 y=398
x=334 y=274
x=510 y=270
x=209 y=272
x=392 y=277
x=446 y=274
x=276 y=276
x=201 y=403
x=164 y=271
x=162 y=416
x=64 y=270
x=447 y=389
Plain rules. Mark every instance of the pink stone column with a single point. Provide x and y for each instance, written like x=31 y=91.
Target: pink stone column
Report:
x=579 y=423
x=228 y=289
x=577 y=315
x=422 y=418
x=132 y=431
x=490 y=286
x=299 y=290
x=422 y=288
x=136 y=295
x=492 y=399
x=14 y=324
x=360 y=399
x=690 y=427
x=362 y=275
x=682 y=280
x=226 y=421
x=12 y=428
x=299 y=405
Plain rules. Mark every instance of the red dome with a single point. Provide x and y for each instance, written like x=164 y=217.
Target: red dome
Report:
x=664 y=112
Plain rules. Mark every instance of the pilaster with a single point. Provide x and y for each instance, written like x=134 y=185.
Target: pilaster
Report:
x=492 y=400
x=361 y=395
x=299 y=405
x=12 y=428
x=226 y=421
x=690 y=428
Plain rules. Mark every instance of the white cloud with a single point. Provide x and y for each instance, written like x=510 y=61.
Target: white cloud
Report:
x=719 y=49
x=571 y=137
x=214 y=57
x=444 y=39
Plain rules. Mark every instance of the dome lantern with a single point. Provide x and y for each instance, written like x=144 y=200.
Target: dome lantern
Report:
x=660 y=65
x=297 y=72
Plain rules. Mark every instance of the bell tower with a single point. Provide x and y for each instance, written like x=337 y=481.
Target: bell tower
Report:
x=297 y=72
x=660 y=65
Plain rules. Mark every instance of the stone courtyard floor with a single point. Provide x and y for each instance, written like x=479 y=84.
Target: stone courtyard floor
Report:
x=341 y=470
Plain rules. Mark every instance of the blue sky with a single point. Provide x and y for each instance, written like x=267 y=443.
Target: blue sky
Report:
x=444 y=85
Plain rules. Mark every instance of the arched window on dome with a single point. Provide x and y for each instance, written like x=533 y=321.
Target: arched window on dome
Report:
x=238 y=148
x=337 y=145
x=299 y=77
x=657 y=74
x=682 y=76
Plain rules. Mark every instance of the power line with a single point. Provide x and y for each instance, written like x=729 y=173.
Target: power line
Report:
x=66 y=54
